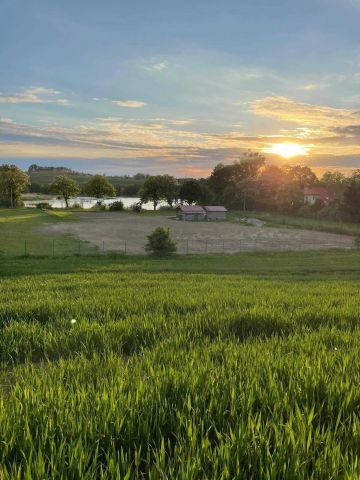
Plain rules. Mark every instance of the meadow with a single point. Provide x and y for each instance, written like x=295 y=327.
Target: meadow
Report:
x=214 y=367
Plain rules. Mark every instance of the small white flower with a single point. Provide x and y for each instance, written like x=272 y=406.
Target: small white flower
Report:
x=72 y=321
x=335 y=348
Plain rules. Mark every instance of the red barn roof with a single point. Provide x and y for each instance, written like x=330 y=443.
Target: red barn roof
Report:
x=320 y=192
x=192 y=209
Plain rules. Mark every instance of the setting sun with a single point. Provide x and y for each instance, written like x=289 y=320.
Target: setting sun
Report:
x=288 y=150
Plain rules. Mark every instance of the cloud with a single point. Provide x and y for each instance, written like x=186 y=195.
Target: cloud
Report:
x=129 y=103
x=168 y=145
x=34 y=95
x=156 y=66
x=159 y=66
x=287 y=109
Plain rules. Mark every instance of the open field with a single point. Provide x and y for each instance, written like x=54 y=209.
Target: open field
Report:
x=115 y=231
x=246 y=368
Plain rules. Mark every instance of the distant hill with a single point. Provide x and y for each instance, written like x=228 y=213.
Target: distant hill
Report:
x=42 y=177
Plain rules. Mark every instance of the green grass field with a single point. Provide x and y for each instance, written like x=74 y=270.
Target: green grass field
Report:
x=293 y=221
x=211 y=367
x=20 y=233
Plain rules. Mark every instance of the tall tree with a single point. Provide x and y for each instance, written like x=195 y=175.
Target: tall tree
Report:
x=333 y=178
x=66 y=187
x=171 y=189
x=13 y=181
x=99 y=186
x=236 y=184
x=191 y=191
x=157 y=188
x=303 y=176
x=351 y=200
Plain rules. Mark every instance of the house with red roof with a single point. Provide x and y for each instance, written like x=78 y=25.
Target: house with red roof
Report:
x=313 y=194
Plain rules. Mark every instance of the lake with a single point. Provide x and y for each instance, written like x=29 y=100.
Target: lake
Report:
x=89 y=202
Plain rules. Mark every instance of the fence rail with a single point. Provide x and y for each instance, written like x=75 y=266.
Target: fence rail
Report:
x=68 y=246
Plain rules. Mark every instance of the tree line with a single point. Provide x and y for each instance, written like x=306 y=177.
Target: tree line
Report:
x=246 y=184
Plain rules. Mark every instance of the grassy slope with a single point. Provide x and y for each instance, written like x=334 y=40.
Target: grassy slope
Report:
x=22 y=225
x=204 y=367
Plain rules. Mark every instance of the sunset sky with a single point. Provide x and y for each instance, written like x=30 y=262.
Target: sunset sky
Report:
x=178 y=86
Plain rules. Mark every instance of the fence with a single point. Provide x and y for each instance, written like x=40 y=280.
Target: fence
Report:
x=68 y=246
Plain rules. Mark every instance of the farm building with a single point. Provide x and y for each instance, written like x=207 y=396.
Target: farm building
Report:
x=215 y=213
x=311 y=195
x=194 y=213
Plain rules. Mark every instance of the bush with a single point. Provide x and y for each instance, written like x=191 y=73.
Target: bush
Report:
x=136 y=207
x=44 y=206
x=117 y=206
x=160 y=242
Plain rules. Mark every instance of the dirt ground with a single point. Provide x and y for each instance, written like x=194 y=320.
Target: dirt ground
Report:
x=116 y=231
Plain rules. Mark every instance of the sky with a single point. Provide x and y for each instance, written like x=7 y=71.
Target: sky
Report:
x=120 y=86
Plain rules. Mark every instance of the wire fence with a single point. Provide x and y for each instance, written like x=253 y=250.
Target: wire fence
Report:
x=68 y=246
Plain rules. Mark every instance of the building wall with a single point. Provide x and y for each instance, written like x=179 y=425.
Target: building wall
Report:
x=216 y=215
x=311 y=199
x=193 y=217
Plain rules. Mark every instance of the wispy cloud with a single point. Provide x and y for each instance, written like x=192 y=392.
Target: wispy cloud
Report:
x=129 y=103
x=155 y=66
x=34 y=95
x=287 y=109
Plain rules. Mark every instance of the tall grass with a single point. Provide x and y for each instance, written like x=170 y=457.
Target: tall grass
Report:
x=126 y=375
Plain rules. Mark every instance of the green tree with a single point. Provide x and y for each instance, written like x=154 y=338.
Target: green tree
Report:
x=13 y=181
x=351 y=200
x=99 y=186
x=191 y=192
x=66 y=187
x=333 y=178
x=171 y=189
x=236 y=184
x=160 y=242
x=303 y=176
x=157 y=188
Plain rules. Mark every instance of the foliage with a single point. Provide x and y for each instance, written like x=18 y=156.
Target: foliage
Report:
x=190 y=192
x=99 y=186
x=333 y=178
x=357 y=242
x=44 y=206
x=13 y=181
x=197 y=376
x=157 y=188
x=136 y=207
x=117 y=206
x=351 y=199
x=160 y=242
x=66 y=187
x=236 y=184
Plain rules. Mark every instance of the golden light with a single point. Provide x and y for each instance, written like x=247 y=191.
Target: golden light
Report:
x=288 y=150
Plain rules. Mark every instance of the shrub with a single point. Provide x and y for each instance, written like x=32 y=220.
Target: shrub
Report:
x=160 y=242
x=117 y=206
x=44 y=206
x=136 y=207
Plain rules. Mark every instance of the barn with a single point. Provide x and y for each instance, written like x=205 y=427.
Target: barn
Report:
x=215 y=213
x=192 y=213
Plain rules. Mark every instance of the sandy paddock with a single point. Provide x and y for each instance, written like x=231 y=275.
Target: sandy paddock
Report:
x=115 y=231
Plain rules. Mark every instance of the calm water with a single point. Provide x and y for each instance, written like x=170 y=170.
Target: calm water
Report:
x=89 y=202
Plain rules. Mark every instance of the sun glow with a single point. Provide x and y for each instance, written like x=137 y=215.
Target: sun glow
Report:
x=288 y=150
